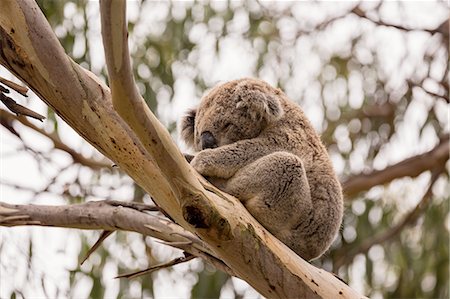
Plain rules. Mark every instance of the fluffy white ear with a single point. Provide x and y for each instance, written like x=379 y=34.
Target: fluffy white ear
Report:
x=261 y=102
x=187 y=127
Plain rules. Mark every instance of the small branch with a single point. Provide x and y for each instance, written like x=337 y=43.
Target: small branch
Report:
x=171 y=263
x=20 y=89
x=105 y=234
x=362 y=14
x=3 y=89
x=420 y=85
x=389 y=234
x=141 y=207
x=19 y=187
x=7 y=124
x=57 y=143
x=19 y=109
x=411 y=167
x=443 y=96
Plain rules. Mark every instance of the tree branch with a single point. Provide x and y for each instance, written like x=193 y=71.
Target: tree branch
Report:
x=142 y=147
x=105 y=234
x=101 y=215
x=57 y=143
x=444 y=96
x=154 y=268
x=19 y=109
x=19 y=88
x=389 y=234
x=411 y=167
x=441 y=28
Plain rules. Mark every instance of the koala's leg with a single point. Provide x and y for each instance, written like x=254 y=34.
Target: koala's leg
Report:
x=275 y=190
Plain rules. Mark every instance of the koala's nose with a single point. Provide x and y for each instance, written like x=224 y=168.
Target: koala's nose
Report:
x=208 y=141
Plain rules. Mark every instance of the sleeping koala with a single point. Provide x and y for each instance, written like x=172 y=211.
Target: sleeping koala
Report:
x=257 y=145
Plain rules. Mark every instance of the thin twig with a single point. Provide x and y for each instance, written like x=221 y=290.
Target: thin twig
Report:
x=3 y=89
x=442 y=96
x=7 y=123
x=19 y=88
x=19 y=109
x=141 y=207
x=105 y=234
x=420 y=85
x=57 y=143
x=171 y=263
x=182 y=243
x=362 y=14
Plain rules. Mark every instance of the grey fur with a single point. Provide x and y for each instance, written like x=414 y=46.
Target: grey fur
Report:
x=268 y=156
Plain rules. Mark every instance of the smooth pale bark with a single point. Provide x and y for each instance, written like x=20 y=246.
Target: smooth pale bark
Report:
x=134 y=139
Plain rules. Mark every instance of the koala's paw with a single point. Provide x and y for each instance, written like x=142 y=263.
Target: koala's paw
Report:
x=202 y=163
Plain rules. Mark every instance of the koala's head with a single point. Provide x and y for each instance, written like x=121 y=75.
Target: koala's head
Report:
x=236 y=110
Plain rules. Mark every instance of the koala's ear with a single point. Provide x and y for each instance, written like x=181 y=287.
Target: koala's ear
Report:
x=187 y=127
x=260 y=102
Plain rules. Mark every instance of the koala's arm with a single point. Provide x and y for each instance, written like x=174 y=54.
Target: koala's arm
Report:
x=223 y=162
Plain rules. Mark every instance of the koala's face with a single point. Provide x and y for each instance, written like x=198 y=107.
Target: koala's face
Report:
x=234 y=111
x=218 y=125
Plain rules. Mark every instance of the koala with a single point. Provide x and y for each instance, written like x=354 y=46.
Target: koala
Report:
x=257 y=145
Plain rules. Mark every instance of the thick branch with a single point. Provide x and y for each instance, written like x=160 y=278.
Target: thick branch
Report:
x=100 y=215
x=411 y=167
x=129 y=104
